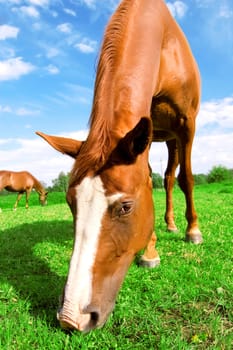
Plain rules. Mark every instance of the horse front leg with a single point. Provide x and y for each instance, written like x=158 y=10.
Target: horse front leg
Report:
x=17 y=200
x=27 y=198
x=186 y=182
x=1 y=188
x=150 y=258
x=169 y=180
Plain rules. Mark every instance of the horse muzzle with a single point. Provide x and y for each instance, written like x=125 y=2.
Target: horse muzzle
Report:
x=85 y=321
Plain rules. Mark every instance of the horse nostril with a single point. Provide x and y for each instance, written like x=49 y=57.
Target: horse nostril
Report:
x=94 y=317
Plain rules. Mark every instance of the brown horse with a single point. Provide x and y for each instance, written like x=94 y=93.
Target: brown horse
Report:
x=147 y=89
x=21 y=182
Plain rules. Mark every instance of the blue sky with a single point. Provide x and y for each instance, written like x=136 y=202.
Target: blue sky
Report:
x=48 y=55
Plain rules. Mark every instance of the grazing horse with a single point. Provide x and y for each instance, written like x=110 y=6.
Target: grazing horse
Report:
x=147 y=89
x=21 y=182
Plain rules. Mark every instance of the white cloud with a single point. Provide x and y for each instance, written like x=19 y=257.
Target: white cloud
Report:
x=7 y=32
x=49 y=50
x=70 y=12
x=14 y=68
x=225 y=11
x=203 y=3
x=52 y=52
x=86 y=46
x=41 y=3
x=28 y=126
x=212 y=150
x=5 y=109
x=216 y=115
x=75 y=92
x=90 y=3
x=54 y=14
x=4 y=141
x=65 y=28
x=15 y=2
x=178 y=8
x=103 y=5
x=37 y=26
x=52 y=69
x=30 y=11
x=22 y=111
x=219 y=9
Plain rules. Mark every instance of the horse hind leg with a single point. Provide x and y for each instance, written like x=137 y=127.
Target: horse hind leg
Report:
x=169 y=180
x=185 y=180
x=150 y=258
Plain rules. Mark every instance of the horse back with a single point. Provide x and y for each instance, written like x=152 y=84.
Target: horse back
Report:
x=16 y=181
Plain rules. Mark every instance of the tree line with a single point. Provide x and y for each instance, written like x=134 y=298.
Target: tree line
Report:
x=217 y=174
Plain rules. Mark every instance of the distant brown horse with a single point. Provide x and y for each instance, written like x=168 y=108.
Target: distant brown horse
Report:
x=147 y=89
x=22 y=182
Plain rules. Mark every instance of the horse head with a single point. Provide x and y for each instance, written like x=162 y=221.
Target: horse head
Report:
x=113 y=217
x=43 y=197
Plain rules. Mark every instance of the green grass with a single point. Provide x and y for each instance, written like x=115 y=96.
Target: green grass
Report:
x=185 y=303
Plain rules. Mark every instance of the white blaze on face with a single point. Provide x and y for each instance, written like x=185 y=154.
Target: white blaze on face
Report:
x=92 y=203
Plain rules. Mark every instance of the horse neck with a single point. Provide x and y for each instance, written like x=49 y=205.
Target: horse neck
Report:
x=38 y=187
x=115 y=108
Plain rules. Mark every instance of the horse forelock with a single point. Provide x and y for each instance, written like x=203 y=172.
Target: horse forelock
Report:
x=93 y=155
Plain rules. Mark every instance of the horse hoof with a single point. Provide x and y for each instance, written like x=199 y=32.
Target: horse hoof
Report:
x=151 y=263
x=195 y=239
x=172 y=230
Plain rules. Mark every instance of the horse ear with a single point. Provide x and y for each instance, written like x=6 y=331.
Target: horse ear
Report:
x=64 y=145
x=134 y=142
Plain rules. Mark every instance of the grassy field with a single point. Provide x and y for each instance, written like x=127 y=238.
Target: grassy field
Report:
x=185 y=303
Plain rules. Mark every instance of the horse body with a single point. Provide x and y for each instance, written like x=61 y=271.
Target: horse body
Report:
x=21 y=182
x=147 y=89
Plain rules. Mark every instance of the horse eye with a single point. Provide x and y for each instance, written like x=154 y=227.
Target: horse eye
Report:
x=126 y=208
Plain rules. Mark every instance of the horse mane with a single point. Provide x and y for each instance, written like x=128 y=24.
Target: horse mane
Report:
x=110 y=53
x=38 y=186
x=95 y=150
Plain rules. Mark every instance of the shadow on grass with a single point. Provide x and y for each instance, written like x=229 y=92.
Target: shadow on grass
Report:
x=31 y=276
